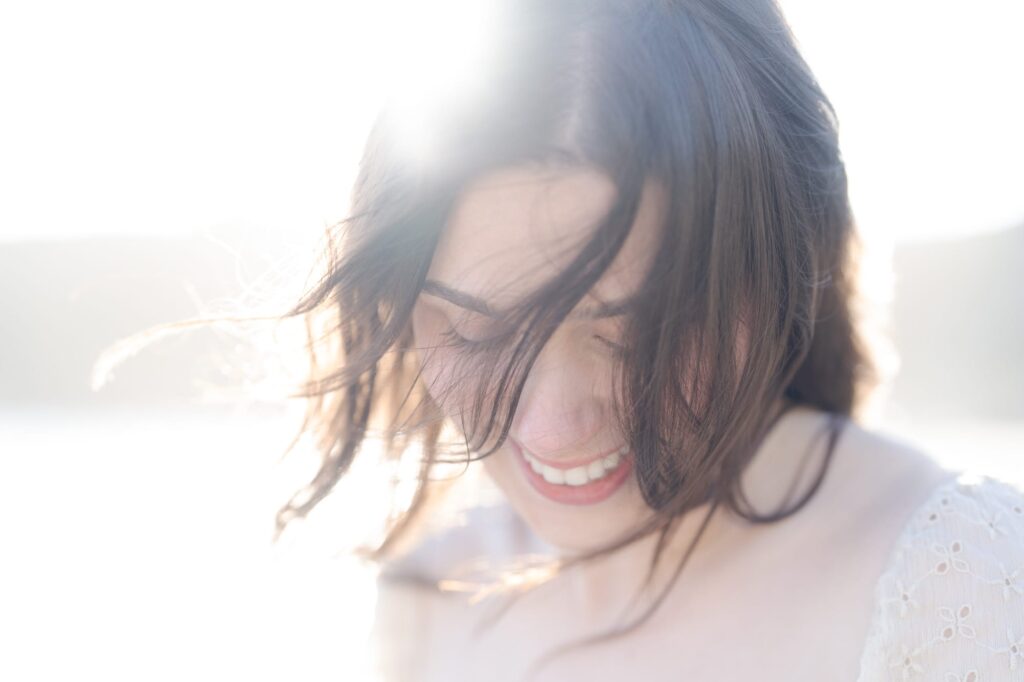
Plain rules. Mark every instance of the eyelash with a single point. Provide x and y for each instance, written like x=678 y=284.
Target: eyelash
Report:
x=617 y=349
x=456 y=338
x=459 y=341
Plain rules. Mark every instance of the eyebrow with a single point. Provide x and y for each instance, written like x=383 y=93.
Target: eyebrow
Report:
x=477 y=305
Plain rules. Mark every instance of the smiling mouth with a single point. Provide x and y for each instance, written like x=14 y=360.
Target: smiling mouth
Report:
x=579 y=475
x=582 y=484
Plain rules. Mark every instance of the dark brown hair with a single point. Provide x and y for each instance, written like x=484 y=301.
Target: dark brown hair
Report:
x=711 y=98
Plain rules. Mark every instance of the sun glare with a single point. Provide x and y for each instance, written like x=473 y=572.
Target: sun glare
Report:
x=438 y=54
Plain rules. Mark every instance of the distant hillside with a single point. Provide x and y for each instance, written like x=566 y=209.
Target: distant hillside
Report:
x=64 y=302
x=958 y=321
x=959 y=326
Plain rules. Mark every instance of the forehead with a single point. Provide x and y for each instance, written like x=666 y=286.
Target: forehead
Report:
x=513 y=229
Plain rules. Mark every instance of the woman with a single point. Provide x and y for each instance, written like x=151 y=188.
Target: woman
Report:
x=619 y=273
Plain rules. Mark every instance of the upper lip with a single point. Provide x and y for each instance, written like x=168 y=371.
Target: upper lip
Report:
x=566 y=463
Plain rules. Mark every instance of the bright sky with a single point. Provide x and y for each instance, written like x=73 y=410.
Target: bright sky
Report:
x=142 y=118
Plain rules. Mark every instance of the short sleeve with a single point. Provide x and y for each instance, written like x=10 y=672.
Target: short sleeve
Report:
x=950 y=603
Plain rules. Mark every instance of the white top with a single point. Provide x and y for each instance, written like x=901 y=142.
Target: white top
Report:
x=949 y=606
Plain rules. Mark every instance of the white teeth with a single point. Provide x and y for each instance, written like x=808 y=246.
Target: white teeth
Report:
x=552 y=475
x=576 y=476
x=580 y=475
x=612 y=460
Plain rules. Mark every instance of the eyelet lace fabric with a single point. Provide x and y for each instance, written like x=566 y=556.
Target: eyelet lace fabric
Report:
x=949 y=606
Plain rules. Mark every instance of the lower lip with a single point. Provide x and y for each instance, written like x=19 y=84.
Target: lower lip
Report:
x=589 y=493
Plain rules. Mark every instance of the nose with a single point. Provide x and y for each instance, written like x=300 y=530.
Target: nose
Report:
x=563 y=407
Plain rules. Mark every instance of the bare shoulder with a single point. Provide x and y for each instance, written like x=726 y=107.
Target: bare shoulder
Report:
x=880 y=476
x=843 y=538
x=871 y=480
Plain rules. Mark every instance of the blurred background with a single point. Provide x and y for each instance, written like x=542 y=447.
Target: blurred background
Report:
x=173 y=161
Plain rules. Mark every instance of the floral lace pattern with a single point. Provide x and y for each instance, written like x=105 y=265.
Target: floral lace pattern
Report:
x=950 y=604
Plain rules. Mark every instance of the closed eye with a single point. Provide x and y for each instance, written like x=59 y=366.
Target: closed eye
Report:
x=618 y=349
x=457 y=340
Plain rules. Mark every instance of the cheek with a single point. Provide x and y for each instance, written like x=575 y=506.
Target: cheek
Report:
x=446 y=377
x=431 y=358
x=496 y=466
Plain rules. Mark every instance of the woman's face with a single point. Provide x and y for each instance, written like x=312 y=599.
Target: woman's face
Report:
x=562 y=467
